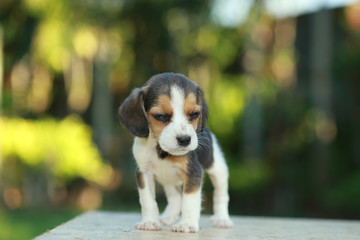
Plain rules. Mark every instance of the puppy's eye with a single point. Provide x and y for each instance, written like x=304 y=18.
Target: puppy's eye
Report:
x=162 y=117
x=194 y=115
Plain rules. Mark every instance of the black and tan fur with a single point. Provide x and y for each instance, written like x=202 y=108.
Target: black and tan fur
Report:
x=145 y=114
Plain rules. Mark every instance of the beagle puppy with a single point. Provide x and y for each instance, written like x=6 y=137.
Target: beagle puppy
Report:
x=167 y=116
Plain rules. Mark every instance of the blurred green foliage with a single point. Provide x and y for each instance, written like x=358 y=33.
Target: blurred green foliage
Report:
x=64 y=148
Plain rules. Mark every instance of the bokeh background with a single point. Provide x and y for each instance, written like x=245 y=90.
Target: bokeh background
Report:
x=281 y=78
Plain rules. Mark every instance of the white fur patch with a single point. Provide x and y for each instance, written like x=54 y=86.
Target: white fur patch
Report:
x=179 y=126
x=166 y=172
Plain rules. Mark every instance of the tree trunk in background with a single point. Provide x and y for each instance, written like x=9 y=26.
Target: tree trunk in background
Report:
x=253 y=63
x=253 y=125
x=102 y=113
x=320 y=89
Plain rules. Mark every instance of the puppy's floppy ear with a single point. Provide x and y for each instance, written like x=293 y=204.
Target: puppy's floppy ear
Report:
x=204 y=108
x=132 y=114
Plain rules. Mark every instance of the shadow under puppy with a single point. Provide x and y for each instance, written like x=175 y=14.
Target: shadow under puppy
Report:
x=167 y=116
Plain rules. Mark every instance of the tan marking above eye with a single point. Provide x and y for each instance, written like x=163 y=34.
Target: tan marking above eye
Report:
x=190 y=104
x=163 y=106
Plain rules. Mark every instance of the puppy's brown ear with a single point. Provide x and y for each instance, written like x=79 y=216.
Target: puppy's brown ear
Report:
x=132 y=114
x=204 y=108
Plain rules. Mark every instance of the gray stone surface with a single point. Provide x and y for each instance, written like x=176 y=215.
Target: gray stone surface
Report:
x=115 y=225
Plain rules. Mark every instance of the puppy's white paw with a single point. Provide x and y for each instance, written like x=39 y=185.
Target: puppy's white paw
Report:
x=184 y=228
x=221 y=222
x=149 y=226
x=169 y=220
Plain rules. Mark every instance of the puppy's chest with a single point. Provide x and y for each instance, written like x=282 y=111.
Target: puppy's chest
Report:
x=147 y=159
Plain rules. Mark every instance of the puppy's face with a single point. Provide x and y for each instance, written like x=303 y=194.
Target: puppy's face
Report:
x=170 y=108
x=173 y=120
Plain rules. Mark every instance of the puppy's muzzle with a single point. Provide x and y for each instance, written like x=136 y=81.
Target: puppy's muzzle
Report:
x=184 y=140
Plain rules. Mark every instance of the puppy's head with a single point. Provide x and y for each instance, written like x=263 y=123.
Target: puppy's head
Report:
x=170 y=108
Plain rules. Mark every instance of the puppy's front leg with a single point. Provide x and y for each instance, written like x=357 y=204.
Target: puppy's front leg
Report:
x=191 y=201
x=149 y=207
x=190 y=217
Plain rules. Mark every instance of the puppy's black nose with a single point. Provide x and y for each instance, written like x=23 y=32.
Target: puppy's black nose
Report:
x=184 y=140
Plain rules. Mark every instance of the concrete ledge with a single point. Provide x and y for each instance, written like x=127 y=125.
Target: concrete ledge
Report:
x=115 y=225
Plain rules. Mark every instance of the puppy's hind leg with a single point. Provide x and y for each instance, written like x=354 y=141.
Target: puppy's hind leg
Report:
x=172 y=210
x=219 y=176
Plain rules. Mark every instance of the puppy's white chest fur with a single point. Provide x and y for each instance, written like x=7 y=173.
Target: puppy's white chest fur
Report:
x=148 y=161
